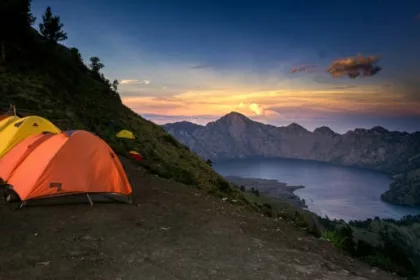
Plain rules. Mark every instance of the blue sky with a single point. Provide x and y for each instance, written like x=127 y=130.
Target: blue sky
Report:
x=201 y=59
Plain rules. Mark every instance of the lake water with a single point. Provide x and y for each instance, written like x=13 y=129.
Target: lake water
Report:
x=338 y=192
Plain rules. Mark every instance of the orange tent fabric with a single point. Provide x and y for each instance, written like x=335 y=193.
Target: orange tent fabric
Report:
x=19 y=152
x=2 y=117
x=70 y=162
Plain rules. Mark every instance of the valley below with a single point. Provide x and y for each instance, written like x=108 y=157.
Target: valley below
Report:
x=333 y=191
x=236 y=137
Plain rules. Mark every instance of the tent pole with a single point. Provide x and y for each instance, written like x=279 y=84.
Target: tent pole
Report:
x=90 y=200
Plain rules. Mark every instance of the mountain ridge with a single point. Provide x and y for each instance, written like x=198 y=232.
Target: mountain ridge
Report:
x=376 y=128
x=236 y=136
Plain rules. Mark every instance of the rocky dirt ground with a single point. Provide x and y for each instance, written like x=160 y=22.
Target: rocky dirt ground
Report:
x=170 y=232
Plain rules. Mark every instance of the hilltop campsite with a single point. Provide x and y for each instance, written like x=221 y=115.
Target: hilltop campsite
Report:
x=92 y=190
x=150 y=233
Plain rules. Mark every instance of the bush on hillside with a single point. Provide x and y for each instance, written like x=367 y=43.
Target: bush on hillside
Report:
x=381 y=243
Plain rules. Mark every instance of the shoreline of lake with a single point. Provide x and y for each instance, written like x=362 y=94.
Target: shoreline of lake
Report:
x=271 y=187
x=337 y=192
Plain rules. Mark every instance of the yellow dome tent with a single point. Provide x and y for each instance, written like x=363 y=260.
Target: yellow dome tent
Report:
x=21 y=128
x=125 y=134
x=6 y=121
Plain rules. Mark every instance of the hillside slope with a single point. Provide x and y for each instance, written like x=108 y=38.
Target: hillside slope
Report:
x=236 y=136
x=172 y=232
x=51 y=81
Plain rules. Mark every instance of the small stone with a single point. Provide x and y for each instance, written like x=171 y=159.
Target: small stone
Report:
x=44 y=263
x=87 y=237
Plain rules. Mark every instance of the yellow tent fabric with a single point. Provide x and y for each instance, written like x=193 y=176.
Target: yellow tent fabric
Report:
x=126 y=134
x=21 y=128
x=6 y=121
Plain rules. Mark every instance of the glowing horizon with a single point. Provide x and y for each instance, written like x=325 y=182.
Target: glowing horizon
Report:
x=277 y=106
x=185 y=62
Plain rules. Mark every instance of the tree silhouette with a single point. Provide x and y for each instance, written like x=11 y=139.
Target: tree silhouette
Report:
x=114 y=85
x=51 y=27
x=95 y=64
x=15 y=21
x=76 y=54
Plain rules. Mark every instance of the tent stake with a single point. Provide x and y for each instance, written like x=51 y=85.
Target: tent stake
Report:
x=90 y=200
x=22 y=204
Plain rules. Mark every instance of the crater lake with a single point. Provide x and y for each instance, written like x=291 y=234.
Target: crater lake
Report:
x=337 y=192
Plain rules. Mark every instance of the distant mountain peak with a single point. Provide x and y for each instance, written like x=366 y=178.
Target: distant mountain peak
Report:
x=296 y=127
x=234 y=117
x=183 y=125
x=180 y=123
x=324 y=130
x=235 y=114
x=234 y=136
x=379 y=129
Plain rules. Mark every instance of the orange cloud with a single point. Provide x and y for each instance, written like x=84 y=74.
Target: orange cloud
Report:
x=363 y=99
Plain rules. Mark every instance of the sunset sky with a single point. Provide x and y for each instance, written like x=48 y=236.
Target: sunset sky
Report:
x=198 y=60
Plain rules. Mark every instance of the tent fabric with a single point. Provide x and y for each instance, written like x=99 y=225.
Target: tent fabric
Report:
x=21 y=128
x=135 y=155
x=6 y=121
x=63 y=165
x=2 y=117
x=19 y=152
x=125 y=134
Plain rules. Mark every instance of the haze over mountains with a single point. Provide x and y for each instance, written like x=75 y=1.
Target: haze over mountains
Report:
x=235 y=136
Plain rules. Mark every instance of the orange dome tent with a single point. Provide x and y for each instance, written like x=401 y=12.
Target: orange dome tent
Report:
x=71 y=162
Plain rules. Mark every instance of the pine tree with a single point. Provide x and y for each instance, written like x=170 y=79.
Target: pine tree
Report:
x=95 y=64
x=51 y=27
x=114 y=85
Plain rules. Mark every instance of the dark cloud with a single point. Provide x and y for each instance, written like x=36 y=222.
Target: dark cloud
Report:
x=202 y=66
x=354 y=66
x=351 y=67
